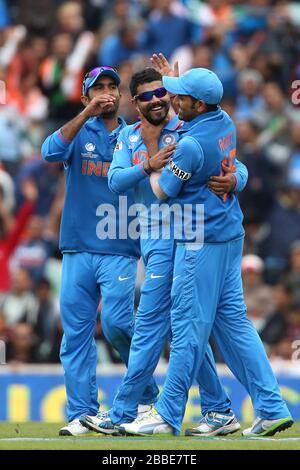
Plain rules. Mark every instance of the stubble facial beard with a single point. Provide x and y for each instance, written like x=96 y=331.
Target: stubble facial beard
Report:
x=110 y=114
x=156 y=122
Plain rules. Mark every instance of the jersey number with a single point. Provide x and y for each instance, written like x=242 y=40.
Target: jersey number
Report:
x=228 y=161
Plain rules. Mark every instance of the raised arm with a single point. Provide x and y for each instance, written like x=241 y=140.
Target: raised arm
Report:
x=58 y=146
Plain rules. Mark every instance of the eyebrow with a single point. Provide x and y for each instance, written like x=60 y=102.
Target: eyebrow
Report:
x=104 y=84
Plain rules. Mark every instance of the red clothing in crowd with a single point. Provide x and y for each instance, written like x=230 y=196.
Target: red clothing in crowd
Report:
x=10 y=242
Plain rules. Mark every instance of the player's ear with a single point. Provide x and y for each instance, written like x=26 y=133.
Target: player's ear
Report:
x=201 y=106
x=85 y=101
x=134 y=101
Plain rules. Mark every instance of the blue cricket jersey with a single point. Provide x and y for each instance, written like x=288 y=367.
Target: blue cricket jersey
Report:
x=90 y=208
x=126 y=170
x=205 y=142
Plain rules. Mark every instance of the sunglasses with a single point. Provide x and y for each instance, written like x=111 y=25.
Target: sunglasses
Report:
x=93 y=73
x=148 y=95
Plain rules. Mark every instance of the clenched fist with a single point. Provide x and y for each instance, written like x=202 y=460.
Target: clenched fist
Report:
x=98 y=105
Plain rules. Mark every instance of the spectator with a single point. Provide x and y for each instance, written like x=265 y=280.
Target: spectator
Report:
x=21 y=347
x=12 y=232
x=258 y=295
x=273 y=122
x=4 y=16
x=51 y=72
x=292 y=278
x=275 y=328
x=166 y=29
x=19 y=305
x=120 y=46
x=47 y=323
x=249 y=100
x=258 y=197
x=33 y=253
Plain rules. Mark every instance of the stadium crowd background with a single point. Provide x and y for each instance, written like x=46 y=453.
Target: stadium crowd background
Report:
x=45 y=50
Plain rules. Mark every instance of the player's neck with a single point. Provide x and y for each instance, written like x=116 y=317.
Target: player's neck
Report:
x=111 y=124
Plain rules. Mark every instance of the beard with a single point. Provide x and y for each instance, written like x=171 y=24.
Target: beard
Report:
x=156 y=121
x=110 y=113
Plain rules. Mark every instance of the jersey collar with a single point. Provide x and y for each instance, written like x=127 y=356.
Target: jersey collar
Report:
x=96 y=124
x=173 y=125
x=200 y=119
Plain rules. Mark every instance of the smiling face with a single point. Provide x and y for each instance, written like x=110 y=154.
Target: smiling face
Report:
x=189 y=107
x=155 y=110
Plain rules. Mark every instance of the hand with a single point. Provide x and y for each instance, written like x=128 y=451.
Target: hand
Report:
x=225 y=184
x=161 y=64
x=160 y=159
x=29 y=190
x=98 y=105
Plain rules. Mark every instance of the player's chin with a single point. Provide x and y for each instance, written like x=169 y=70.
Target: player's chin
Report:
x=158 y=116
x=110 y=112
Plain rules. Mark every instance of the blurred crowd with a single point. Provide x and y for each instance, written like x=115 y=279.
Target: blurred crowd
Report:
x=45 y=50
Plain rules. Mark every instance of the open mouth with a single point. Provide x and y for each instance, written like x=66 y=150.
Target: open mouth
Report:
x=157 y=108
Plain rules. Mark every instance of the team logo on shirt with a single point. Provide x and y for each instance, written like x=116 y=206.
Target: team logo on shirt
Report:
x=133 y=138
x=183 y=175
x=168 y=139
x=119 y=146
x=90 y=147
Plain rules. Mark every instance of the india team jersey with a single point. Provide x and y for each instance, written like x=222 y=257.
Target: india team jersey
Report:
x=126 y=171
x=205 y=143
x=91 y=215
x=130 y=153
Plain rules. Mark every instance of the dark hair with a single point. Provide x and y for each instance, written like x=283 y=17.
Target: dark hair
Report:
x=208 y=107
x=43 y=282
x=144 y=76
x=211 y=107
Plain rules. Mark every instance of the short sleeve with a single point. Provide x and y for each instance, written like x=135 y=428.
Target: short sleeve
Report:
x=187 y=158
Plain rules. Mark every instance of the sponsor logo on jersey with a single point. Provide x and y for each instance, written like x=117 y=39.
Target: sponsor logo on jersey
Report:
x=183 y=175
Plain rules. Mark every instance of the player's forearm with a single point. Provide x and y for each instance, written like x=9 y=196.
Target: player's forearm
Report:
x=159 y=193
x=121 y=180
x=152 y=148
x=241 y=175
x=72 y=127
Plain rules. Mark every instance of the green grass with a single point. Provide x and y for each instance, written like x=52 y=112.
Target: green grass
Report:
x=31 y=430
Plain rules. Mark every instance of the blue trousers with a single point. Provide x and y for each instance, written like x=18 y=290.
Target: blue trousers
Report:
x=152 y=328
x=207 y=296
x=86 y=277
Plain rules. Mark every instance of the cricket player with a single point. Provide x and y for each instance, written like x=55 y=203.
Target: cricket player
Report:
x=131 y=168
x=92 y=263
x=207 y=293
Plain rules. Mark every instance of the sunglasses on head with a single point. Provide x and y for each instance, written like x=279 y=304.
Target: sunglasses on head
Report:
x=148 y=95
